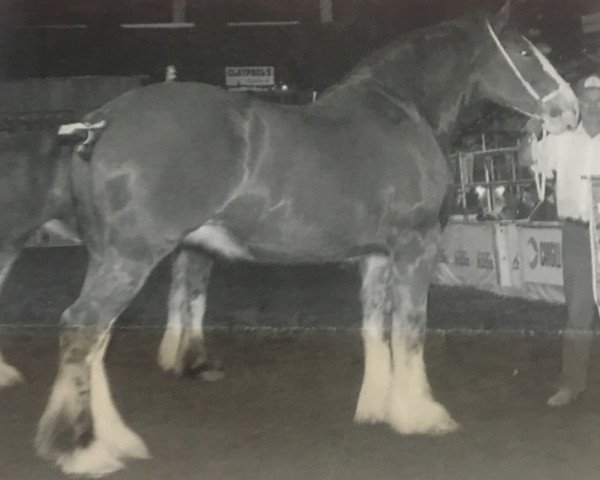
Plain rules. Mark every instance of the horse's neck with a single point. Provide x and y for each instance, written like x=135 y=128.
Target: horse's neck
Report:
x=439 y=87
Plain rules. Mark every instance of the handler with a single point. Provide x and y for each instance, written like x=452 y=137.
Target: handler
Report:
x=571 y=155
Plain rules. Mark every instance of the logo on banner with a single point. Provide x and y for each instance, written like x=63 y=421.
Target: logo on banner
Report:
x=546 y=254
x=442 y=257
x=532 y=252
x=550 y=255
x=515 y=263
x=540 y=255
x=485 y=260
x=461 y=257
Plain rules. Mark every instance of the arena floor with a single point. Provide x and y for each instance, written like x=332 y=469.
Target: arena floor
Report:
x=284 y=410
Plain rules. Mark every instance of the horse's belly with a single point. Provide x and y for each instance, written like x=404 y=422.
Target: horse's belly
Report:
x=280 y=242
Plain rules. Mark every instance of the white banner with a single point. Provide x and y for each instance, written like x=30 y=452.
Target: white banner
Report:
x=467 y=255
x=594 y=235
x=540 y=251
x=259 y=76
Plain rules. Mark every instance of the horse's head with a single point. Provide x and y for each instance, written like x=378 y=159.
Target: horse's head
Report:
x=515 y=73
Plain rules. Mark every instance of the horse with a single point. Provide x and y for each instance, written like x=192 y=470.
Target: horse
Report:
x=358 y=176
x=34 y=194
x=34 y=189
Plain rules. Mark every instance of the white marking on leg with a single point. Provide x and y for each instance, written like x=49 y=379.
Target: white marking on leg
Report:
x=95 y=461
x=63 y=402
x=373 y=399
x=563 y=397
x=413 y=410
x=169 y=347
x=114 y=440
x=9 y=375
x=198 y=309
x=412 y=407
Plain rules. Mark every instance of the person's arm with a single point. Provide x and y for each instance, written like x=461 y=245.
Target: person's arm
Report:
x=527 y=144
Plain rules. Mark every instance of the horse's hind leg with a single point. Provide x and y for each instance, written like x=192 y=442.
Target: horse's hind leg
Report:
x=81 y=429
x=412 y=406
x=183 y=349
x=9 y=375
x=373 y=401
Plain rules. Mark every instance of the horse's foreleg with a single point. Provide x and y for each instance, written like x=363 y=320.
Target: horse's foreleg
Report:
x=412 y=406
x=373 y=401
x=81 y=429
x=9 y=375
x=183 y=349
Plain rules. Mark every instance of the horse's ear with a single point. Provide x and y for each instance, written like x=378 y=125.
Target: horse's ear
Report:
x=500 y=19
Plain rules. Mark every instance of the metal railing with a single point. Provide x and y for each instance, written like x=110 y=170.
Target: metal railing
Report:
x=489 y=172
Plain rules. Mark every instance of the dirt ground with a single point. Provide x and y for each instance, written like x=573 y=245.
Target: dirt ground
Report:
x=284 y=410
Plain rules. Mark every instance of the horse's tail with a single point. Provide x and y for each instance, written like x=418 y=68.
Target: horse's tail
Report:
x=84 y=134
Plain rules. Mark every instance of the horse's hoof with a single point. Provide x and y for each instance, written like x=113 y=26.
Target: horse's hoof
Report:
x=9 y=376
x=563 y=397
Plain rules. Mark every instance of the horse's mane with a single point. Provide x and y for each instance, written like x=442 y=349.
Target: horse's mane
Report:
x=404 y=44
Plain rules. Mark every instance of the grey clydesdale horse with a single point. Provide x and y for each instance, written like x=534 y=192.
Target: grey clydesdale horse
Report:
x=360 y=175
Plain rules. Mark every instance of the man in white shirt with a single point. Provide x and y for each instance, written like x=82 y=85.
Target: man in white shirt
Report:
x=571 y=155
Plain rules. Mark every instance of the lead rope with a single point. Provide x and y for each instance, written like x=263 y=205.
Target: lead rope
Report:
x=539 y=170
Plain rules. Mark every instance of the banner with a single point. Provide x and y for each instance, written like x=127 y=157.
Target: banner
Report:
x=541 y=255
x=239 y=77
x=467 y=255
x=595 y=235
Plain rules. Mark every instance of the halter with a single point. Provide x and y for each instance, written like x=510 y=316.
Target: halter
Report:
x=561 y=83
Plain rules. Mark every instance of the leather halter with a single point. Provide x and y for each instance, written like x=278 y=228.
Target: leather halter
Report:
x=562 y=85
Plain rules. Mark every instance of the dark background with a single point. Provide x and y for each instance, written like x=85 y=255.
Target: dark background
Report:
x=64 y=38
x=308 y=55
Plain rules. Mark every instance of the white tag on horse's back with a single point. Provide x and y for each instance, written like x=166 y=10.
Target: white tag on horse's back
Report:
x=71 y=128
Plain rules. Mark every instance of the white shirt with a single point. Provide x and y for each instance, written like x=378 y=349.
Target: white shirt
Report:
x=572 y=154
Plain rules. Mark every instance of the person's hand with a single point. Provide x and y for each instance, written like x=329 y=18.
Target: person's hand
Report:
x=525 y=155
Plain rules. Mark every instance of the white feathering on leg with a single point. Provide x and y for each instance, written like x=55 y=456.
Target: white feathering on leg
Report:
x=413 y=409
x=9 y=375
x=170 y=344
x=373 y=401
x=113 y=441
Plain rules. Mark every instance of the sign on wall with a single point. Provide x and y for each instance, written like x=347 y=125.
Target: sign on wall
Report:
x=467 y=255
x=249 y=77
x=594 y=235
x=541 y=255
